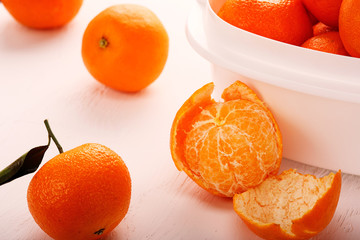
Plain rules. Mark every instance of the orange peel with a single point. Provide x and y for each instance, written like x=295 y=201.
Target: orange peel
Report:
x=290 y=205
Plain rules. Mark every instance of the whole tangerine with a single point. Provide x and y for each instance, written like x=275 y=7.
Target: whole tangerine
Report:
x=43 y=14
x=349 y=26
x=282 y=20
x=226 y=147
x=83 y=193
x=329 y=42
x=125 y=47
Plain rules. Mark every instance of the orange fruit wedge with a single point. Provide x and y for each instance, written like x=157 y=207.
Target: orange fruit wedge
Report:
x=290 y=205
x=226 y=147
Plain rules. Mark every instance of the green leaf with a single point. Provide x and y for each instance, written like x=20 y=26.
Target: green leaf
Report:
x=27 y=163
x=30 y=161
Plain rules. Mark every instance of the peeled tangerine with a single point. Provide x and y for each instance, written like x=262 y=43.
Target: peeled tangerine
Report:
x=290 y=205
x=226 y=147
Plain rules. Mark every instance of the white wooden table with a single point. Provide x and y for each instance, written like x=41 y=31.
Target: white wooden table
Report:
x=42 y=76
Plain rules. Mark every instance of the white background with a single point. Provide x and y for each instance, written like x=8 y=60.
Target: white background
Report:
x=42 y=76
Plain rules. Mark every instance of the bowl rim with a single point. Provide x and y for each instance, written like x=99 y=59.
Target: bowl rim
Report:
x=202 y=37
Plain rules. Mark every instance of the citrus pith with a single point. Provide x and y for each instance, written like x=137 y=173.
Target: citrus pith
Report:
x=226 y=147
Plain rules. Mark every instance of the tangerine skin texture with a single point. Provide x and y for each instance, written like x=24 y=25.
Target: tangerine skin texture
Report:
x=349 y=26
x=326 y=11
x=282 y=20
x=43 y=14
x=226 y=147
x=80 y=192
x=329 y=42
x=136 y=51
x=320 y=28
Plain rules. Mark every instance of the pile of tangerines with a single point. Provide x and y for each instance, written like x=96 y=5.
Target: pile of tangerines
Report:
x=331 y=26
x=231 y=148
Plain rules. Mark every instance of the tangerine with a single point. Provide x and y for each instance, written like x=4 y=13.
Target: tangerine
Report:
x=326 y=11
x=282 y=20
x=329 y=42
x=312 y=18
x=226 y=147
x=320 y=28
x=43 y=14
x=290 y=205
x=83 y=193
x=349 y=26
x=125 y=47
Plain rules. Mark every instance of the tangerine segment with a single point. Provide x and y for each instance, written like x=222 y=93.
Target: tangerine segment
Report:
x=290 y=205
x=226 y=147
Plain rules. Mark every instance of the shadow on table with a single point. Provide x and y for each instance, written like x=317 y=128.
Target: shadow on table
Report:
x=96 y=102
x=18 y=37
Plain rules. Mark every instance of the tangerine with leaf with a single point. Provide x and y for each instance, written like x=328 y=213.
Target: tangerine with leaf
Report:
x=83 y=193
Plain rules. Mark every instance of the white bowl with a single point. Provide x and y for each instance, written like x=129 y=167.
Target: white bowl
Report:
x=314 y=96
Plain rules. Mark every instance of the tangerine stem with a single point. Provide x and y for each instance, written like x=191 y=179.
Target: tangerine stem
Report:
x=52 y=136
x=103 y=42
